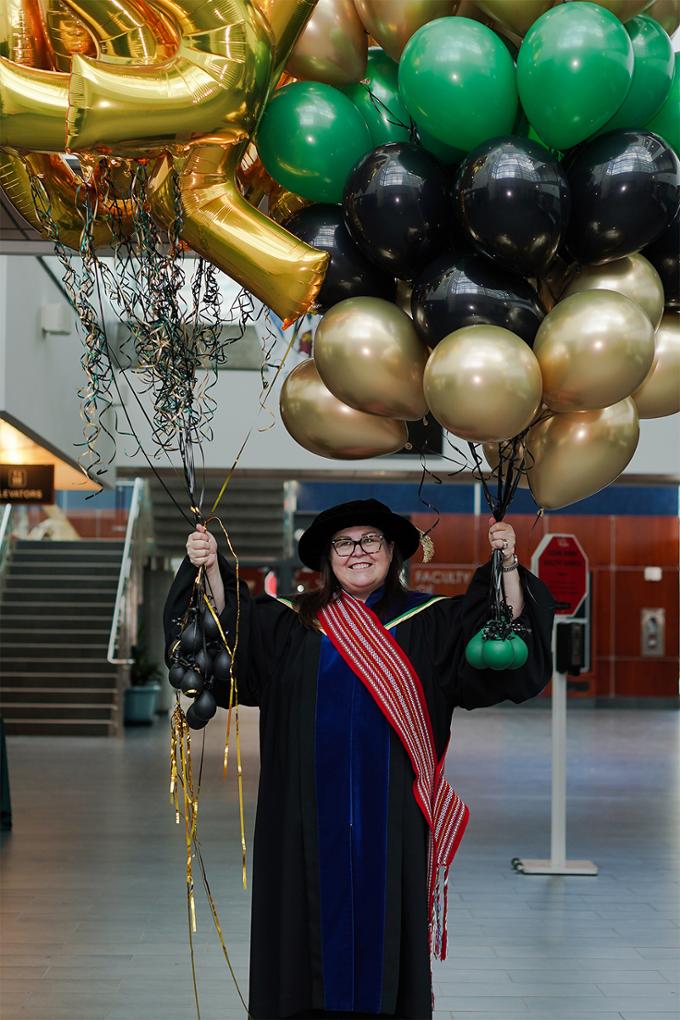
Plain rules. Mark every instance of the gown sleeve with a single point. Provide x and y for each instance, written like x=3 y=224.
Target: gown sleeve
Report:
x=459 y=619
x=264 y=630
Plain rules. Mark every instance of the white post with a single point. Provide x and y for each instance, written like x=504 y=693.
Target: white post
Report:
x=558 y=813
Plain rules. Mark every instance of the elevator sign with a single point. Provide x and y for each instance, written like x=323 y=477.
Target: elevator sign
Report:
x=562 y=565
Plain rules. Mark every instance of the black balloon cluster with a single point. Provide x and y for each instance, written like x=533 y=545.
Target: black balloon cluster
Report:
x=199 y=664
x=475 y=241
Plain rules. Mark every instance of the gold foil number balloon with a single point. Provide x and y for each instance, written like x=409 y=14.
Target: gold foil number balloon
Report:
x=369 y=355
x=571 y=456
x=322 y=424
x=659 y=394
x=633 y=276
x=483 y=383
x=594 y=349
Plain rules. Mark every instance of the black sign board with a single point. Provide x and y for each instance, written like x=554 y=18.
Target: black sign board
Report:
x=26 y=483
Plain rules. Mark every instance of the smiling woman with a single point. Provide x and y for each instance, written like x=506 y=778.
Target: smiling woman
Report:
x=357 y=825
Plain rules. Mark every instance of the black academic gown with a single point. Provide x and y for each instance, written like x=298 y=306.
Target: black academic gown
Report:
x=277 y=664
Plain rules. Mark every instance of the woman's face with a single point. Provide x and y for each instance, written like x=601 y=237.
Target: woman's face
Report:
x=360 y=572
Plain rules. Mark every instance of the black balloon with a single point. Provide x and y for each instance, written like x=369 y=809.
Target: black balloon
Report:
x=204 y=662
x=465 y=290
x=397 y=208
x=176 y=674
x=196 y=722
x=204 y=706
x=190 y=638
x=512 y=199
x=625 y=189
x=192 y=683
x=210 y=628
x=349 y=272
x=664 y=254
x=222 y=664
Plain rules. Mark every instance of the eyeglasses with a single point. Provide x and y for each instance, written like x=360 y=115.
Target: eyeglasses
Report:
x=370 y=544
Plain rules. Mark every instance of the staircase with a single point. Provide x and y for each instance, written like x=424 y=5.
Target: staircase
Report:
x=56 y=607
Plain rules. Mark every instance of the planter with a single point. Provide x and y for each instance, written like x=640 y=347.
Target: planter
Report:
x=140 y=704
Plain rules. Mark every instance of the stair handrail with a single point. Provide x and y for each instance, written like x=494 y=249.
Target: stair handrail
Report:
x=5 y=533
x=123 y=632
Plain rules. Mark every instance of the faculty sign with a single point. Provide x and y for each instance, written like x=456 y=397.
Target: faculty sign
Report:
x=26 y=483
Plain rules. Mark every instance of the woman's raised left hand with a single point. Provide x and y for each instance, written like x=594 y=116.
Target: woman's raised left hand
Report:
x=502 y=536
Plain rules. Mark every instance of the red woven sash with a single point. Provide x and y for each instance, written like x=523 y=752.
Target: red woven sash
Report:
x=385 y=670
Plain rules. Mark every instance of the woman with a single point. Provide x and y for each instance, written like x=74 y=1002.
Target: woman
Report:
x=356 y=685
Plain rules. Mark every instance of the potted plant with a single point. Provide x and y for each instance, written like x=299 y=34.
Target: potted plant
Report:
x=142 y=694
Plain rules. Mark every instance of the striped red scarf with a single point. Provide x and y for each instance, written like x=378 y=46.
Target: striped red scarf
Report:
x=385 y=670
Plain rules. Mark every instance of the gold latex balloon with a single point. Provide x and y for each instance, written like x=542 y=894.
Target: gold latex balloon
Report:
x=632 y=276
x=22 y=37
x=594 y=349
x=33 y=108
x=333 y=45
x=393 y=22
x=66 y=35
x=220 y=225
x=483 y=383
x=286 y=20
x=517 y=15
x=369 y=355
x=623 y=9
x=659 y=394
x=572 y=456
x=666 y=12
x=321 y=423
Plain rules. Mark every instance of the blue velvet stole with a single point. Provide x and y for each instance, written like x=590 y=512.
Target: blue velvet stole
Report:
x=352 y=743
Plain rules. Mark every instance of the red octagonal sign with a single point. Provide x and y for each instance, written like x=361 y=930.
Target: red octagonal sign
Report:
x=562 y=565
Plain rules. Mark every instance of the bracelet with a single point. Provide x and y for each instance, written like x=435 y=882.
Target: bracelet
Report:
x=513 y=565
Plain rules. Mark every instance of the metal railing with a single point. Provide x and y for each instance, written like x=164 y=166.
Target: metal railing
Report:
x=129 y=594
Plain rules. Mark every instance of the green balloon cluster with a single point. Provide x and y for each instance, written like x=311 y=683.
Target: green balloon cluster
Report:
x=492 y=653
x=574 y=71
x=310 y=137
x=667 y=121
x=457 y=80
x=652 y=75
x=377 y=100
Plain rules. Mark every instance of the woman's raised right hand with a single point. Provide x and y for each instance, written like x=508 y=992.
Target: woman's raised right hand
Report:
x=202 y=548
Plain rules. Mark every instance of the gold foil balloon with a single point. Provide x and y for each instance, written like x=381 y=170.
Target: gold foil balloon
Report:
x=22 y=37
x=659 y=394
x=369 y=355
x=124 y=30
x=212 y=90
x=219 y=224
x=632 y=276
x=66 y=35
x=483 y=383
x=324 y=425
x=283 y=204
x=517 y=15
x=571 y=456
x=666 y=12
x=594 y=349
x=333 y=45
x=33 y=108
x=393 y=22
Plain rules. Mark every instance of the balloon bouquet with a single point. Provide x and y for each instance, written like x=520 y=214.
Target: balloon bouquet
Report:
x=502 y=218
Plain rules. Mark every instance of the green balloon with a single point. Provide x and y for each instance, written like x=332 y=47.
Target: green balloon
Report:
x=474 y=650
x=652 y=75
x=667 y=121
x=573 y=72
x=457 y=80
x=520 y=652
x=446 y=154
x=310 y=137
x=498 y=654
x=377 y=100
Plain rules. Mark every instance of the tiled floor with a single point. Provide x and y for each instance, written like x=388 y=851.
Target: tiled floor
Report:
x=93 y=912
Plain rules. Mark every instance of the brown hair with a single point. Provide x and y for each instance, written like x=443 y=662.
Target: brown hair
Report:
x=310 y=602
